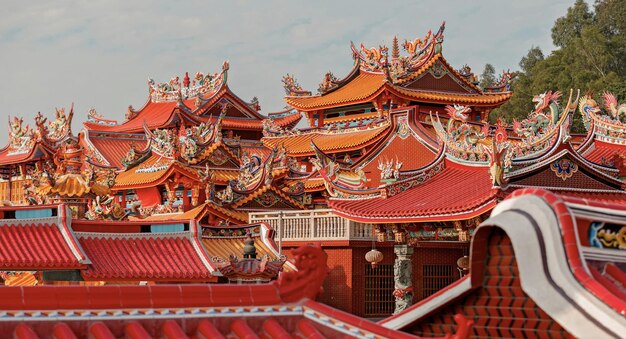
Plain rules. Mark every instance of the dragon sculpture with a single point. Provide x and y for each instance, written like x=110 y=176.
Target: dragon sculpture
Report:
x=539 y=121
x=418 y=44
x=292 y=87
x=461 y=138
x=608 y=126
x=463 y=132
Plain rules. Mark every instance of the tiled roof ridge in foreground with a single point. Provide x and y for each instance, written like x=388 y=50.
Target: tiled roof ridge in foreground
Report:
x=182 y=309
x=542 y=229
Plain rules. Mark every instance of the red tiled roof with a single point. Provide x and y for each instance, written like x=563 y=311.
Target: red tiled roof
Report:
x=38 y=244
x=6 y=159
x=300 y=145
x=278 y=309
x=113 y=149
x=154 y=114
x=360 y=89
x=144 y=256
x=412 y=153
x=457 y=192
x=604 y=151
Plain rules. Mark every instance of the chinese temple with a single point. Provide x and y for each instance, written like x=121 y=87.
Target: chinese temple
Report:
x=194 y=215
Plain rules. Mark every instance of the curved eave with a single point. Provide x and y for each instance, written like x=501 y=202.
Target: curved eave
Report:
x=450 y=216
x=159 y=180
x=24 y=157
x=477 y=100
x=372 y=90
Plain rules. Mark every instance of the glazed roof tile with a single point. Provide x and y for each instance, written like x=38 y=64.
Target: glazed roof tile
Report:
x=457 y=192
x=154 y=114
x=38 y=244
x=278 y=309
x=412 y=153
x=446 y=98
x=133 y=178
x=8 y=159
x=360 y=89
x=144 y=256
x=602 y=151
x=327 y=141
x=114 y=148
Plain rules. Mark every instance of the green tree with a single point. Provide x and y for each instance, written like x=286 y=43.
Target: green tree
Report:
x=591 y=56
x=570 y=26
x=488 y=77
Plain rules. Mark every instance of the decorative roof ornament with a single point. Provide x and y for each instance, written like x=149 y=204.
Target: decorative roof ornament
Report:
x=539 y=122
x=503 y=84
x=372 y=59
x=419 y=50
x=254 y=104
x=395 y=50
x=608 y=127
x=21 y=138
x=461 y=138
x=466 y=72
x=497 y=161
x=271 y=128
x=292 y=87
x=611 y=105
x=174 y=90
x=94 y=117
x=162 y=142
x=329 y=82
x=541 y=129
x=334 y=175
x=61 y=126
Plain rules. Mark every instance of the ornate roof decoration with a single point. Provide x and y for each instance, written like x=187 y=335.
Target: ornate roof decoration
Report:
x=539 y=131
x=419 y=50
x=607 y=126
x=462 y=139
x=503 y=84
x=335 y=175
x=372 y=59
x=174 y=90
x=271 y=128
x=466 y=72
x=71 y=175
x=292 y=87
x=96 y=118
x=163 y=142
x=21 y=138
x=61 y=126
x=329 y=82
x=254 y=104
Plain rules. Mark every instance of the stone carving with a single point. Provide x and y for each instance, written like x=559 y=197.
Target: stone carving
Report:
x=403 y=277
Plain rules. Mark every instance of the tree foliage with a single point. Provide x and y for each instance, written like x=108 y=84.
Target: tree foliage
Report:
x=590 y=56
x=488 y=77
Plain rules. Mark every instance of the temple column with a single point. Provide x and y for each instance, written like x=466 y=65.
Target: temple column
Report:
x=403 y=277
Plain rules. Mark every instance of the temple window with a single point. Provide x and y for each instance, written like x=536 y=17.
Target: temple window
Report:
x=379 y=299
x=435 y=278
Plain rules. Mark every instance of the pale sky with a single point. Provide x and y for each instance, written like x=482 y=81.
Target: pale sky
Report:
x=101 y=53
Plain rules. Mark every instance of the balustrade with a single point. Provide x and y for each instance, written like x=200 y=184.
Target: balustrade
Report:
x=313 y=225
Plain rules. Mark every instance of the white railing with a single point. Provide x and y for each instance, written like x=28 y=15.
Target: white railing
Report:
x=313 y=225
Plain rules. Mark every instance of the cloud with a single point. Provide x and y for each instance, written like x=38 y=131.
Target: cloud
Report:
x=100 y=53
